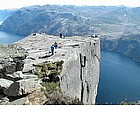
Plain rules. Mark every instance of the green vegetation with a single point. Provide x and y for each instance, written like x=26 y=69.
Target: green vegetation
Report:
x=59 y=99
x=49 y=73
x=51 y=87
x=48 y=69
x=131 y=37
x=129 y=103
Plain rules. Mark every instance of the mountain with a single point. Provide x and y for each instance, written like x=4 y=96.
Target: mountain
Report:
x=4 y=14
x=48 y=19
x=73 y=20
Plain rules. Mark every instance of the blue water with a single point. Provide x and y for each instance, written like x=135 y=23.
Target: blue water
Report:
x=6 y=38
x=119 y=79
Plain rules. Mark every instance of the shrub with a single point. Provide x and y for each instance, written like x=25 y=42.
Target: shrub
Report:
x=51 y=87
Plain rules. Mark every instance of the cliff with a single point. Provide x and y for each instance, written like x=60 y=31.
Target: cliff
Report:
x=71 y=75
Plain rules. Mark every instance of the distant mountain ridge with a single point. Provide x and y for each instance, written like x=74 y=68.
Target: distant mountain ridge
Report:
x=73 y=20
x=48 y=19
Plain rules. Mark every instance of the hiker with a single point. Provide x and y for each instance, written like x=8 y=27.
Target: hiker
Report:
x=60 y=35
x=52 y=49
x=55 y=45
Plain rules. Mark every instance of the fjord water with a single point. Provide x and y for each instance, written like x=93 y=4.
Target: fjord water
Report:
x=6 y=38
x=119 y=79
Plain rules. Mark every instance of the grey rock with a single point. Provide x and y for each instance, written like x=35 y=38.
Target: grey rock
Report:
x=36 y=98
x=28 y=68
x=4 y=100
x=9 y=68
x=21 y=101
x=30 y=76
x=1 y=68
x=19 y=65
x=5 y=84
x=18 y=75
x=11 y=58
x=22 y=87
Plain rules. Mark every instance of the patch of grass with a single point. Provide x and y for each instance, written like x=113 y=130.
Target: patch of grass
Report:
x=44 y=68
x=51 y=66
x=51 y=87
x=40 y=70
x=49 y=69
x=49 y=73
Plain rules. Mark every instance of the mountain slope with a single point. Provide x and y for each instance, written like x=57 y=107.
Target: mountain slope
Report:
x=73 y=20
x=4 y=14
x=38 y=19
x=128 y=45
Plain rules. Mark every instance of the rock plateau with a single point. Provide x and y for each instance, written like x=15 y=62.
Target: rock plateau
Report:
x=70 y=75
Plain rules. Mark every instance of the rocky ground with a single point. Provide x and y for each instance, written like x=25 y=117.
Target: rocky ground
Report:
x=31 y=75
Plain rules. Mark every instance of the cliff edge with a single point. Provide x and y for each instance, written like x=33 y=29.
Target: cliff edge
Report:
x=73 y=70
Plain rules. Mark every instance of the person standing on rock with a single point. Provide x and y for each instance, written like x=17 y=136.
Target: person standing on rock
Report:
x=60 y=35
x=55 y=45
x=52 y=49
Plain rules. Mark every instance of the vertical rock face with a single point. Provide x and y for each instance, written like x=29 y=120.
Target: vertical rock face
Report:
x=80 y=75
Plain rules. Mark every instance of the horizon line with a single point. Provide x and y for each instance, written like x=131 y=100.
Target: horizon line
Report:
x=16 y=8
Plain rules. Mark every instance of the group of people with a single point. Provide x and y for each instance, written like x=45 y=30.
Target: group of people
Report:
x=55 y=45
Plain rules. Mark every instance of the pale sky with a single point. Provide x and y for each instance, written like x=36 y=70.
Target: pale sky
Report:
x=8 y=4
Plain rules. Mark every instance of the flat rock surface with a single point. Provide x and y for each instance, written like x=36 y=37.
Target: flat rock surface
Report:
x=11 y=51
x=38 y=47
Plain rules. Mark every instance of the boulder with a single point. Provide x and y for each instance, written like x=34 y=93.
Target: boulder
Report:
x=4 y=100
x=9 y=68
x=28 y=68
x=29 y=76
x=11 y=58
x=19 y=65
x=21 y=101
x=36 y=98
x=1 y=68
x=15 y=76
x=5 y=84
x=23 y=87
x=19 y=75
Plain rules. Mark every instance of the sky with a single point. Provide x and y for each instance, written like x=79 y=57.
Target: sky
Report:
x=10 y=4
